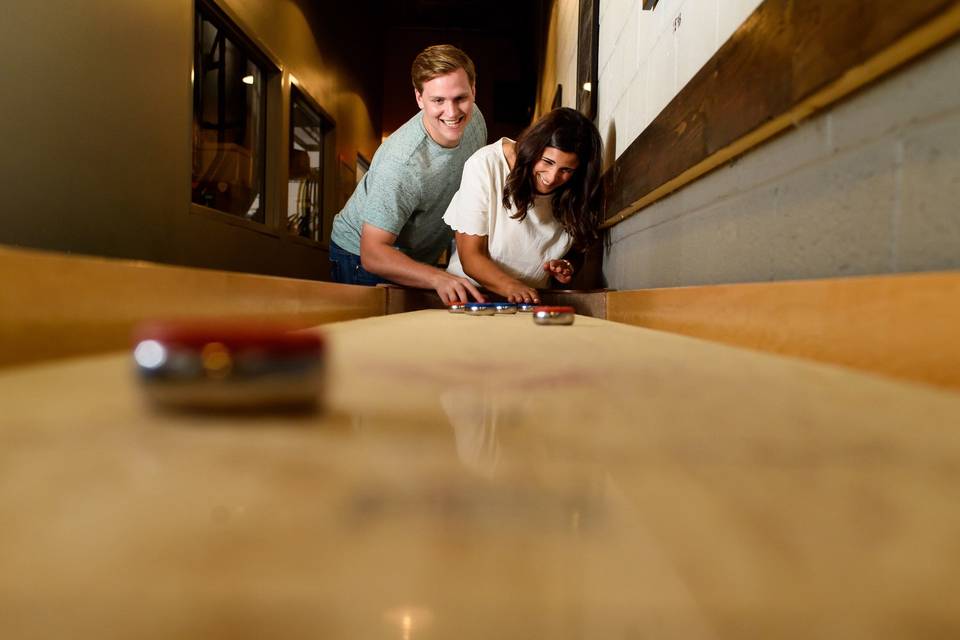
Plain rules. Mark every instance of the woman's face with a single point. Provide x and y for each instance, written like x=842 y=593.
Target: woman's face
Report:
x=553 y=169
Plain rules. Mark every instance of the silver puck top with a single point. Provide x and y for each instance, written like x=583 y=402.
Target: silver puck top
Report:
x=547 y=316
x=480 y=309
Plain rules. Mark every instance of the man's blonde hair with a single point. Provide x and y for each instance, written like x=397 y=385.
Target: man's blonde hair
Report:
x=439 y=60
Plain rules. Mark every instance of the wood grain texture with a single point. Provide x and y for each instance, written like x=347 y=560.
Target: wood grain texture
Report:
x=493 y=480
x=788 y=60
x=903 y=326
x=55 y=305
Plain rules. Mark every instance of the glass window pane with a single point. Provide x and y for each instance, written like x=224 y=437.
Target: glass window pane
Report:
x=229 y=122
x=304 y=196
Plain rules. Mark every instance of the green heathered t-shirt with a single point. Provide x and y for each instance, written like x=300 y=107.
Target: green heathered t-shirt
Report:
x=407 y=189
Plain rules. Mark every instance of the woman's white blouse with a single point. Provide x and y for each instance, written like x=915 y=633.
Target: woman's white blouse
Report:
x=519 y=247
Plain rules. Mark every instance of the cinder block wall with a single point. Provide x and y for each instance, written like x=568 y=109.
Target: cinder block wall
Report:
x=870 y=186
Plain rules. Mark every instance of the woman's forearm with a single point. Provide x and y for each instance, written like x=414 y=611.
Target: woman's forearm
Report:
x=489 y=274
x=485 y=271
x=477 y=263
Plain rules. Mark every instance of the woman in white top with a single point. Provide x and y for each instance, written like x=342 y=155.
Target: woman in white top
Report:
x=524 y=206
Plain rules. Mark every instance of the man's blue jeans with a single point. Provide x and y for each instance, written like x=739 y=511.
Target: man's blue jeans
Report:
x=345 y=268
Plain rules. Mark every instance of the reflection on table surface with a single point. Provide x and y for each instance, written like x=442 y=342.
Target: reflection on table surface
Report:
x=479 y=477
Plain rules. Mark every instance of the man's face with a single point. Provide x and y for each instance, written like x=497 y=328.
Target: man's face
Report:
x=447 y=103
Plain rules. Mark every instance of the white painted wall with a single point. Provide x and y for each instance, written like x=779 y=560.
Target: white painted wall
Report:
x=647 y=57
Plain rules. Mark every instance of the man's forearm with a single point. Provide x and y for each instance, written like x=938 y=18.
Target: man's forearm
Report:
x=396 y=266
x=378 y=256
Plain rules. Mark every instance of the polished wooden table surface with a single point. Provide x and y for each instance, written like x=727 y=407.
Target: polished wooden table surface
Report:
x=487 y=478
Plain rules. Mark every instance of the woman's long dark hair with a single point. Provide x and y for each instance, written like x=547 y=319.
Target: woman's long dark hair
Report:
x=577 y=204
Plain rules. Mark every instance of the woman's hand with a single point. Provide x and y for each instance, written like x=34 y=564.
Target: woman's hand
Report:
x=561 y=270
x=518 y=292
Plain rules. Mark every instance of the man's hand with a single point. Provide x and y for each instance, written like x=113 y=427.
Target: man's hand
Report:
x=452 y=288
x=561 y=270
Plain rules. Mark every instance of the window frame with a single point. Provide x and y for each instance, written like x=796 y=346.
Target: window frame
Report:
x=327 y=154
x=273 y=71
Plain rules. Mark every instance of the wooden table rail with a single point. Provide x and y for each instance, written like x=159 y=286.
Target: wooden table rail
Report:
x=55 y=305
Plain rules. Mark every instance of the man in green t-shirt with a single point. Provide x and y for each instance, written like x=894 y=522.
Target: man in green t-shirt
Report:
x=392 y=228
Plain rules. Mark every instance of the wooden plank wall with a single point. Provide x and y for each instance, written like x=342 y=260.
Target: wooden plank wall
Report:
x=789 y=59
x=54 y=305
x=904 y=326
